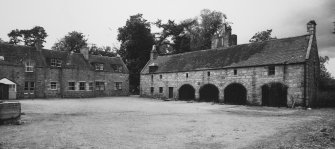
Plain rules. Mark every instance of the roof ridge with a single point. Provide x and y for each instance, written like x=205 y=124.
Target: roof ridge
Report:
x=103 y=56
x=235 y=45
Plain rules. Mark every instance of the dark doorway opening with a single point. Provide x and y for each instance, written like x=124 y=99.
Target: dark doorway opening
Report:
x=4 y=91
x=274 y=95
x=209 y=93
x=170 y=92
x=186 y=92
x=235 y=93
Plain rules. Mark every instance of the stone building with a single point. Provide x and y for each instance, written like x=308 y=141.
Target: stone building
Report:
x=42 y=73
x=278 y=72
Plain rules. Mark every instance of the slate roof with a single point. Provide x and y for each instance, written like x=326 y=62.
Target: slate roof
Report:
x=17 y=54
x=108 y=62
x=278 y=51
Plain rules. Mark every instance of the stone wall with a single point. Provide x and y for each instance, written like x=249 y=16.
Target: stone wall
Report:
x=44 y=76
x=9 y=110
x=252 y=78
x=312 y=75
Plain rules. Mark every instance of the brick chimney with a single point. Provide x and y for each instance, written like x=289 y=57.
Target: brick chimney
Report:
x=153 y=53
x=85 y=53
x=311 y=27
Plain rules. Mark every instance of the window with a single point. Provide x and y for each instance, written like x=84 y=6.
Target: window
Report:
x=29 y=86
x=72 y=86
x=99 y=66
x=12 y=87
x=53 y=85
x=99 y=86
x=90 y=86
x=117 y=68
x=160 y=89
x=118 y=86
x=82 y=86
x=271 y=70
x=26 y=86
x=32 y=86
x=152 y=78
x=186 y=75
x=151 y=90
x=160 y=76
x=55 y=62
x=235 y=71
x=29 y=66
x=208 y=73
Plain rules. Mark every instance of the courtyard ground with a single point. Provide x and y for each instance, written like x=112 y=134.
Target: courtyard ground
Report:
x=133 y=122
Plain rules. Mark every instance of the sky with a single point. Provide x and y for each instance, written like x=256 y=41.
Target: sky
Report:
x=100 y=19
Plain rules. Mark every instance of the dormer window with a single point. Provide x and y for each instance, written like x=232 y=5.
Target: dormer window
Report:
x=55 y=62
x=117 y=68
x=99 y=66
x=29 y=66
x=153 y=67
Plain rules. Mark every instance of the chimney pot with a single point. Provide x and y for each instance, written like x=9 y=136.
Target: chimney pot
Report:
x=153 y=54
x=311 y=27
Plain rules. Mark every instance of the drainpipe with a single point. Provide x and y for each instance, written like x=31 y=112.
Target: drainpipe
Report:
x=305 y=85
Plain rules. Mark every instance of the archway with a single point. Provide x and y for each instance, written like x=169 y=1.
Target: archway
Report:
x=186 y=92
x=274 y=95
x=209 y=93
x=235 y=93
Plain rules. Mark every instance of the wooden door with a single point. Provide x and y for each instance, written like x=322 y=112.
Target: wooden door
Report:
x=170 y=92
x=4 y=90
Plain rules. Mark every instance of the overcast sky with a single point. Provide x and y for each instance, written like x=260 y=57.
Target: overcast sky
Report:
x=100 y=19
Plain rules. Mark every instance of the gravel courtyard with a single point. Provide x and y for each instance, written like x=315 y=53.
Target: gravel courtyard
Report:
x=133 y=122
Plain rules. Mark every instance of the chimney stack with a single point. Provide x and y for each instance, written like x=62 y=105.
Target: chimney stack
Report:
x=224 y=38
x=153 y=54
x=85 y=53
x=311 y=26
x=38 y=45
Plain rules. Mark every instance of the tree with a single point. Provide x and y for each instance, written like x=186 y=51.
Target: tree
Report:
x=262 y=36
x=211 y=22
x=180 y=39
x=324 y=73
x=29 y=37
x=103 y=51
x=136 y=43
x=73 y=41
x=1 y=41
x=192 y=34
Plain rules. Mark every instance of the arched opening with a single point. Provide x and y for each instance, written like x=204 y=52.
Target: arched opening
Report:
x=235 y=93
x=186 y=92
x=209 y=93
x=274 y=95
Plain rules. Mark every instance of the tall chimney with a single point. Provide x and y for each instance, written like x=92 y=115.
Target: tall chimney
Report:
x=38 y=45
x=233 y=40
x=223 y=38
x=311 y=27
x=85 y=53
x=153 y=53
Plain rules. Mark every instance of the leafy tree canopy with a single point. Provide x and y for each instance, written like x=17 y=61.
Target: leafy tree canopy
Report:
x=103 y=51
x=73 y=41
x=190 y=34
x=136 y=43
x=324 y=73
x=262 y=36
x=28 y=37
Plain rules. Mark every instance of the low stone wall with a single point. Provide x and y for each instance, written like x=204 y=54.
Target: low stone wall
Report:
x=9 y=111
